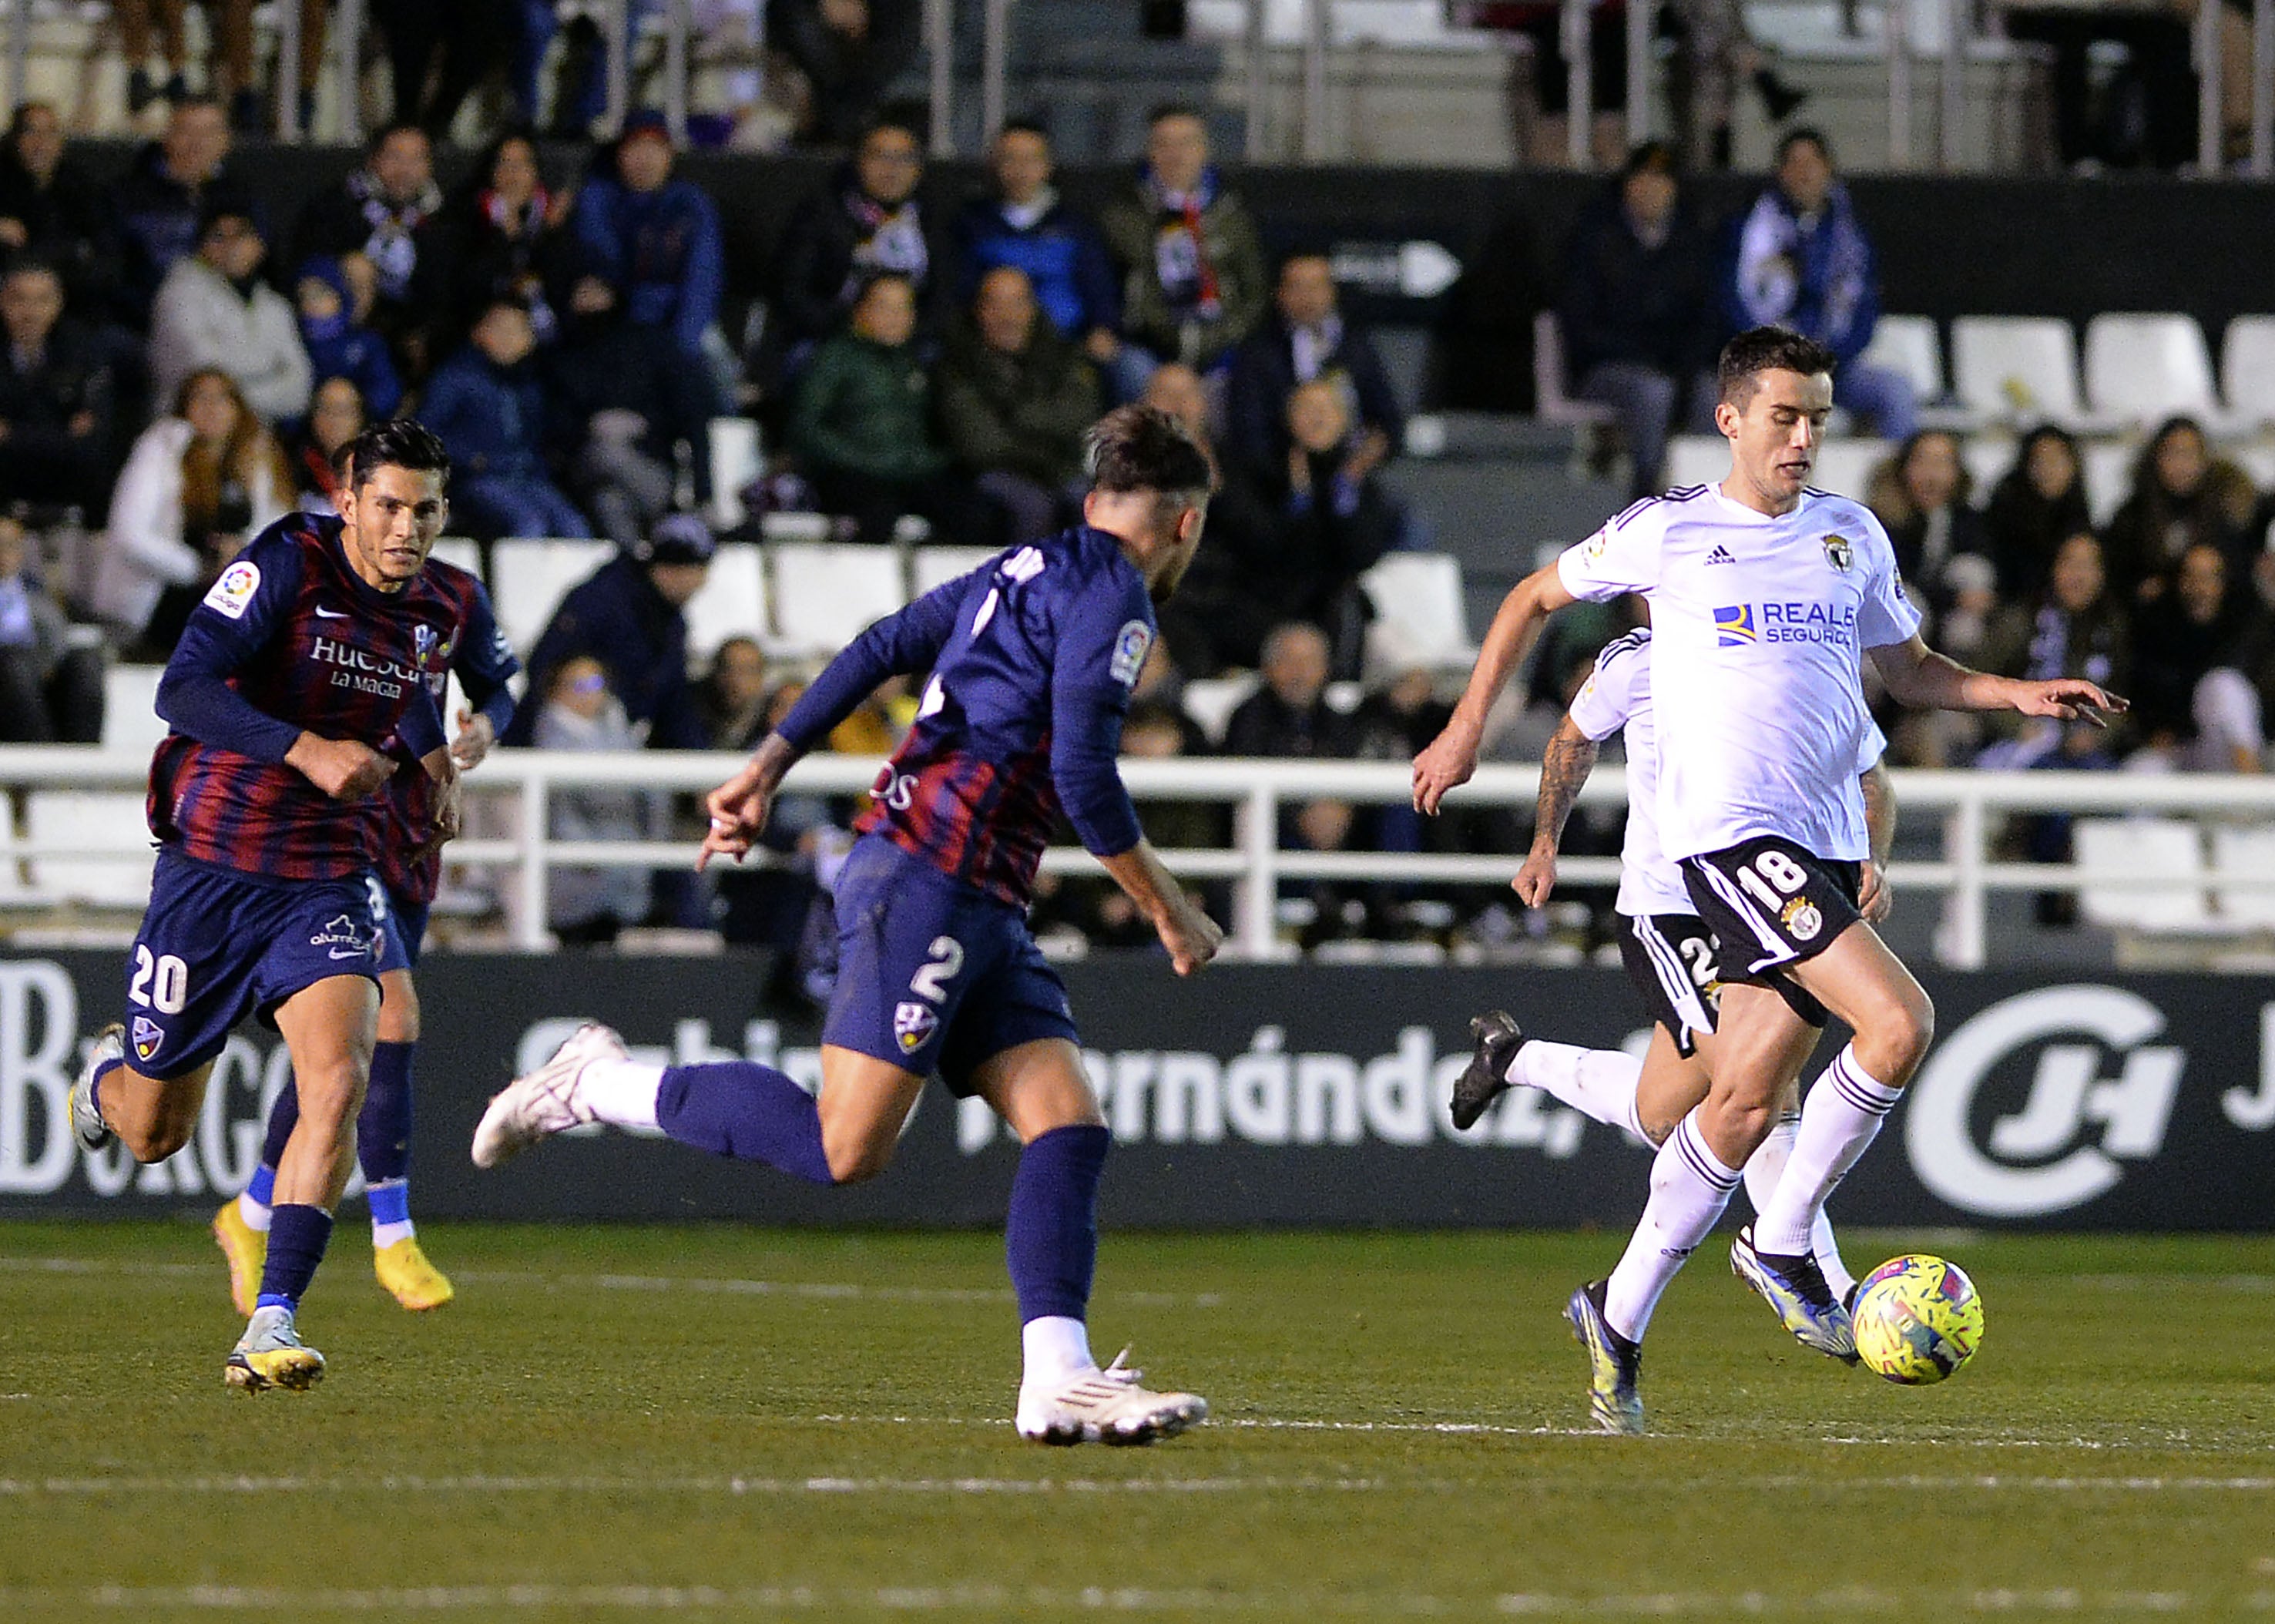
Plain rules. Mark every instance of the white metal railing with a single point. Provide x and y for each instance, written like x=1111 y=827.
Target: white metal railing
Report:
x=1968 y=802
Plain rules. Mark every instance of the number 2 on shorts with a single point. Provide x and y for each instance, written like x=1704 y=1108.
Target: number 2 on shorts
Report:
x=932 y=976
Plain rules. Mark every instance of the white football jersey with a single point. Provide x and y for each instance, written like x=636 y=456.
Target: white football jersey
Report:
x=1616 y=699
x=1759 y=628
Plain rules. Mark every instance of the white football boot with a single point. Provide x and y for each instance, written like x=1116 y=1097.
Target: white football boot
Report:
x=1105 y=1406
x=548 y=1101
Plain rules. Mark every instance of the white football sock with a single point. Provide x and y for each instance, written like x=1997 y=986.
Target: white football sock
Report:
x=621 y=1092
x=1763 y=1169
x=384 y=1236
x=255 y=1213
x=1597 y=1082
x=1689 y=1187
x=1839 y=1118
x=1055 y=1347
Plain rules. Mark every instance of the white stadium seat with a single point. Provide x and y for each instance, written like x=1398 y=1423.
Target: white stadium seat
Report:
x=796 y=526
x=1211 y=700
x=2244 y=853
x=1844 y=466
x=1419 y=616
x=732 y=603
x=530 y=576
x=1907 y=345
x=1988 y=456
x=462 y=551
x=936 y=566
x=2107 y=471
x=2148 y=367
x=735 y=460
x=12 y=886
x=2016 y=368
x=2167 y=849
x=1550 y=402
x=92 y=820
x=2247 y=369
x=130 y=708
x=827 y=593
x=1696 y=459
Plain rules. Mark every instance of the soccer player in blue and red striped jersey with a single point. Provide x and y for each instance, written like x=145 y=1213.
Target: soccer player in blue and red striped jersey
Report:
x=301 y=685
x=411 y=868
x=1030 y=660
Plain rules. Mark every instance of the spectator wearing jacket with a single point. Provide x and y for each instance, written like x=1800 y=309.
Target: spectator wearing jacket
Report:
x=862 y=425
x=1800 y=260
x=503 y=234
x=1304 y=339
x=628 y=615
x=868 y=218
x=657 y=241
x=161 y=204
x=377 y=212
x=51 y=692
x=630 y=411
x=213 y=310
x=1026 y=225
x=1193 y=267
x=1637 y=312
x=2181 y=495
x=1015 y=399
x=2202 y=669
x=51 y=209
x=2038 y=504
x=487 y=403
x=57 y=396
x=339 y=345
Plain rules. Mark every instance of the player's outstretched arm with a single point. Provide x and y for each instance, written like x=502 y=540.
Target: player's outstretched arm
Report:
x=1919 y=676
x=1185 y=929
x=1451 y=758
x=1564 y=768
x=1874 y=899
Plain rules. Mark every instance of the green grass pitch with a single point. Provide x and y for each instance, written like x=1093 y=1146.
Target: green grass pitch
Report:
x=721 y=1423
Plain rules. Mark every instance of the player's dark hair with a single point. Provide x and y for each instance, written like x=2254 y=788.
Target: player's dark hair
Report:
x=1144 y=449
x=1767 y=349
x=399 y=442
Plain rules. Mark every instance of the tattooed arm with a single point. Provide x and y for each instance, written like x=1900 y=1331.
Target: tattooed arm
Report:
x=1564 y=767
x=1874 y=899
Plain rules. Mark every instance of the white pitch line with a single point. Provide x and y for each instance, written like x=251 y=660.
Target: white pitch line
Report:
x=411 y=1484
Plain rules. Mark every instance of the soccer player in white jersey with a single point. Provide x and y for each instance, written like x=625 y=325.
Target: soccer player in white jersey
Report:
x=1665 y=947
x=1764 y=595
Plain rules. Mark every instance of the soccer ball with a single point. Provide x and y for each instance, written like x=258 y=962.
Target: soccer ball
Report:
x=1918 y=1319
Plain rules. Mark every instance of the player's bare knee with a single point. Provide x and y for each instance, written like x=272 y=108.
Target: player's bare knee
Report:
x=156 y=1140
x=1897 y=1040
x=398 y=1008
x=856 y=1156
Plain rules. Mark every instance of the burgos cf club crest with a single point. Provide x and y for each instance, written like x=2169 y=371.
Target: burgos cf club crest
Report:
x=913 y=1024
x=1840 y=552
x=148 y=1036
x=1735 y=628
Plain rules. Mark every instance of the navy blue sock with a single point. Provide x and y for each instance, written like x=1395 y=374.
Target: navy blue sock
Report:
x=740 y=1108
x=1051 y=1242
x=297 y=1236
x=383 y=1126
x=283 y=1117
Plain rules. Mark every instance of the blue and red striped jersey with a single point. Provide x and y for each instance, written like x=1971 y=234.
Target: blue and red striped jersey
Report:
x=478 y=653
x=1031 y=660
x=290 y=639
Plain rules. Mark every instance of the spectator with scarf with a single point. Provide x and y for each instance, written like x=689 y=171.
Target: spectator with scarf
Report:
x=868 y=219
x=657 y=241
x=1027 y=226
x=504 y=234
x=1800 y=260
x=377 y=212
x=1193 y=267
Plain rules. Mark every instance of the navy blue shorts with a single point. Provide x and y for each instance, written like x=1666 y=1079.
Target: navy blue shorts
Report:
x=216 y=947
x=932 y=975
x=406 y=925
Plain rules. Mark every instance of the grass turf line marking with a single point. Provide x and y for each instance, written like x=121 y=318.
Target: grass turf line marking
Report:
x=1095 y=1598
x=26 y=1487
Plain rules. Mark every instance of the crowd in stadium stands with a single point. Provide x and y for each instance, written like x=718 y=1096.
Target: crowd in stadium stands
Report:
x=179 y=369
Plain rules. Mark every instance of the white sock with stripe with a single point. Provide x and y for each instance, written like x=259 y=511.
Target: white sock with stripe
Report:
x=1689 y=1187
x=1597 y=1082
x=1840 y=1117
x=1763 y=1169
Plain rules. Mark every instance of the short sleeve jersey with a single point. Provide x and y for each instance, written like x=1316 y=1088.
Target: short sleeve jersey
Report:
x=306 y=642
x=485 y=662
x=1616 y=699
x=1758 y=627
x=1021 y=717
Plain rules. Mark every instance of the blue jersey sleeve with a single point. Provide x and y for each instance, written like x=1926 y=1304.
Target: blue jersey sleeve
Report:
x=1103 y=639
x=898 y=645
x=419 y=729
x=485 y=661
x=241 y=611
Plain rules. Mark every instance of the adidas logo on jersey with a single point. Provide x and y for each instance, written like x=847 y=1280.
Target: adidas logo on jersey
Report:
x=1721 y=555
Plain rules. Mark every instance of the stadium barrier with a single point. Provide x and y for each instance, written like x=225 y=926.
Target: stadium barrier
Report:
x=515 y=785
x=1253 y=1095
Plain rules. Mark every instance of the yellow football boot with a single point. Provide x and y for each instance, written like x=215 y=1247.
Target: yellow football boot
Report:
x=246 y=1249
x=415 y=1283
x=270 y=1353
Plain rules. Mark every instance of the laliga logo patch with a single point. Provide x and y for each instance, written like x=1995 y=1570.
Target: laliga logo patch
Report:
x=1130 y=645
x=1735 y=628
x=913 y=1024
x=1803 y=921
x=148 y=1036
x=1840 y=553
x=232 y=593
